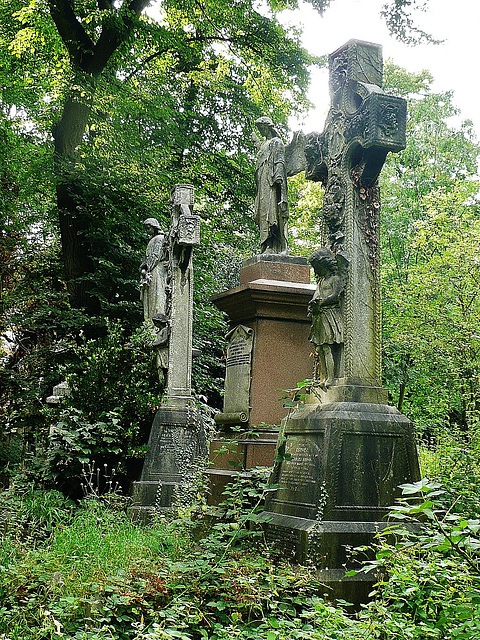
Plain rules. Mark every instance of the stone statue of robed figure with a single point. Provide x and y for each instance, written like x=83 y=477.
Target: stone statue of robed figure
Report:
x=327 y=316
x=153 y=292
x=275 y=161
x=154 y=272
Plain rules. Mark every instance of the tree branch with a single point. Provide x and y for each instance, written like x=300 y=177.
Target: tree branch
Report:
x=160 y=52
x=104 y=5
x=72 y=33
x=147 y=60
x=113 y=34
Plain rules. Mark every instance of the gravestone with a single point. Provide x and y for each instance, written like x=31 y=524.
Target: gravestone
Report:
x=60 y=392
x=270 y=306
x=238 y=368
x=177 y=446
x=346 y=450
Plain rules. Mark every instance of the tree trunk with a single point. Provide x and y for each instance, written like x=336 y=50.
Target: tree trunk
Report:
x=74 y=224
x=88 y=59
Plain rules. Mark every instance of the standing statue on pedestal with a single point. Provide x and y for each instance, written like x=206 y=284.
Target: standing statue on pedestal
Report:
x=153 y=292
x=327 y=318
x=275 y=161
x=154 y=272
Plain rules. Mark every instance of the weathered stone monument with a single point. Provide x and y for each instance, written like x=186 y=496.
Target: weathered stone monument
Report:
x=177 y=446
x=267 y=346
x=346 y=450
x=60 y=392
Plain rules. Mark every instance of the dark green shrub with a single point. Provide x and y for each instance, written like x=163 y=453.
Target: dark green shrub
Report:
x=106 y=421
x=429 y=585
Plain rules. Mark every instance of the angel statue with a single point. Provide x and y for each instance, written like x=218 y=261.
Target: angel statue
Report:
x=153 y=293
x=275 y=161
x=327 y=316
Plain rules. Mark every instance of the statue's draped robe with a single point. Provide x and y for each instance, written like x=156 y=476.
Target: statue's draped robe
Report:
x=154 y=284
x=271 y=208
x=327 y=322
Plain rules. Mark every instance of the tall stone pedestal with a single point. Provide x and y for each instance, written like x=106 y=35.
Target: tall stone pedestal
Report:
x=177 y=450
x=344 y=459
x=270 y=306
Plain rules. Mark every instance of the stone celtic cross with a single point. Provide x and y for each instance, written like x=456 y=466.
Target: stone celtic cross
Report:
x=184 y=235
x=363 y=125
x=346 y=451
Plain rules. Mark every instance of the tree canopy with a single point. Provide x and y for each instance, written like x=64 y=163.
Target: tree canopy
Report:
x=430 y=243
x=105 y=106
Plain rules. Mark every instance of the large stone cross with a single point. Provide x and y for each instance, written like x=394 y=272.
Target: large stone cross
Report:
x=184 y=234
x=177 y=446
x=362 y=126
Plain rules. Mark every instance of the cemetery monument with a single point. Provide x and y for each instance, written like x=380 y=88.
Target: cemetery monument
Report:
x=346 y=450
x=177 y=446
x=267 y=344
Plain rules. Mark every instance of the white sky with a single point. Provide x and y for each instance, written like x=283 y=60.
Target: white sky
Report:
x=454 y=64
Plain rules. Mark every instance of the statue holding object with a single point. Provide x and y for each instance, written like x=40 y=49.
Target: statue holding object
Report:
x=275 y=161
x=154 y=272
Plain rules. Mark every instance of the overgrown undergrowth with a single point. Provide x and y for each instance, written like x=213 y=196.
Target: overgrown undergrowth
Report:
x=86 y=572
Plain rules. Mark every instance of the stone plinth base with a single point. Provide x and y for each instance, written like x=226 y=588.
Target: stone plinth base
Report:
x=271 y=266
x=177 y=450
x=342 y=464
x=347 y=390
x=271 y=302
x=326 y=544
x=231 y=452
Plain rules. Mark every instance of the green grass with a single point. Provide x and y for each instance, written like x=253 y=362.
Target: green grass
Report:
x=94 y=575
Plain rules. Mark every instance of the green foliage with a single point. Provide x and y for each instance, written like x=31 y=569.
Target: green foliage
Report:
x=175 y=103
x=305 y=221
x=108 y=416
x=101 y=576
x=454 y=461
x=429 y=584
x=401 y=23
x=95 y=574
x=90 y=577
x=429 y=262
x=31 y=515
x=106 y=421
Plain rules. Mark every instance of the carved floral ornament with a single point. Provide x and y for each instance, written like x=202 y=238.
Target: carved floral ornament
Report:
x=189 y=229
x=388 y=120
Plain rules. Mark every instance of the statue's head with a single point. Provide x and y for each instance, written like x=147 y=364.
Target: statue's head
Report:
x=323 y=261
x=266 y=127
x=152 y=226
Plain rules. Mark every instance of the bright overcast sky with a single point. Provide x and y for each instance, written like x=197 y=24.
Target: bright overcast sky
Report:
x=453 y=64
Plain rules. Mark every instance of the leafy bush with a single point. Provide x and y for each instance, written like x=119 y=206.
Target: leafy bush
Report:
x=430 y=576
x=101 y=576
x=454 y=461
x=106 y=420
x=28 y=514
